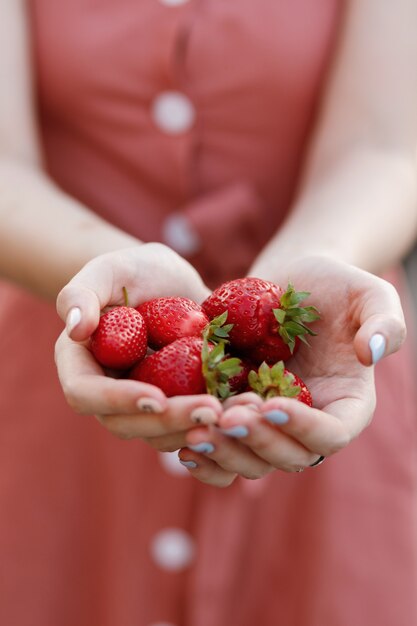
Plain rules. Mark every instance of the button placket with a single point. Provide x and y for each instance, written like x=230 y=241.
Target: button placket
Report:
x=172 y=549
x=173 y=3
x=173 y=112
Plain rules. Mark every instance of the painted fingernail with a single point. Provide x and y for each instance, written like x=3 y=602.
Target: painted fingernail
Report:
x=236 y=431
x=276 y=417
x=377 y=345
x=203 y=415
x=204 y=448
x=149 y=405
x=189 y=464
x=73 y=319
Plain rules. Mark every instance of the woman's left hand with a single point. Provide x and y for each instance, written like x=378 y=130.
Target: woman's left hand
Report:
x=361 y=322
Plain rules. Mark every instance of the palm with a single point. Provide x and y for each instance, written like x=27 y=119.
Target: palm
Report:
x=330 y=367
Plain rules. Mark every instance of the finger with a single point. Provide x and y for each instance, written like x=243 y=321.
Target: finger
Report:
x=146 y=271
x=167 y=443
x=229 y=454
x=89 y=392
x=382 y=327
x=205 y=470
x=266 y=441
x=249 y=398
x=79 y=303
x=182 y=413
x=318 y=431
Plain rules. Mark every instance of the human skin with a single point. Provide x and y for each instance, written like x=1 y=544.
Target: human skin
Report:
x=356 y=207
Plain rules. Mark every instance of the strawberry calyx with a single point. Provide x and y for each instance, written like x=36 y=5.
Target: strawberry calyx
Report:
x=216 y=367
x=292 y=318
x=217 y=330
x=270 y=382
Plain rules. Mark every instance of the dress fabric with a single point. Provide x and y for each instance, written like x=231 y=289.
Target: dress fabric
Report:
x=200 y=108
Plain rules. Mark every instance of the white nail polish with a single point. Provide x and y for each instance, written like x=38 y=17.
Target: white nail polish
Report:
x=377 y=345
x=73 y=319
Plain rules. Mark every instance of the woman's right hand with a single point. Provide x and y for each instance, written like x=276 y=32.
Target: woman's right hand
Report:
x=127 y=408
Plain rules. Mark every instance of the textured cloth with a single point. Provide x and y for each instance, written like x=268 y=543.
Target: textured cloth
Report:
x=202 y=108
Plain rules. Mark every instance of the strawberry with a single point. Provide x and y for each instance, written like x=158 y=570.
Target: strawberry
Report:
x=168 y=319
x=270 y=382
x=262 y=314
x=176 y=368
x=239 y=382
x=120 y=339
x=189 y=366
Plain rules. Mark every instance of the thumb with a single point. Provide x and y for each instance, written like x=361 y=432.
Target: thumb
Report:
x=80 y=302
x=79 y=307
x=382 y=328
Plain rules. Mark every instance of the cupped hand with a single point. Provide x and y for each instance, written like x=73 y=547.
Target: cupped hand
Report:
x=361 y=322
x=127 y=408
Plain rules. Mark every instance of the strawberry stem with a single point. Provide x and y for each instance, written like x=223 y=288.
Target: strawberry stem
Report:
x=125 y=297
x=270 y=382
x=217 y=369
x=293 y=319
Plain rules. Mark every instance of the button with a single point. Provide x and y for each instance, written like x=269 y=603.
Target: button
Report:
x=172 y=549
x=178 y=234
x=173 y=112
x=171 y=463
x=172 y=3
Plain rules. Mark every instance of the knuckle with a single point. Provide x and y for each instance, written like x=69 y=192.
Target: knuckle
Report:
x=168 y=446
x=109 y=396
x=341 y=441
x=73 y=397
x=116 y=428
x=253 y=474
x=400 y=330
x=224 y=481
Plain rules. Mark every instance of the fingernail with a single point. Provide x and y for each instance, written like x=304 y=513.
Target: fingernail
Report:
x=73 y=319
x=203 y=415
x=189 y=464
x=149 y=405
x=377 y=345
x=276 y=417
x=252 y=407
x=236 y=431
x=204 y=448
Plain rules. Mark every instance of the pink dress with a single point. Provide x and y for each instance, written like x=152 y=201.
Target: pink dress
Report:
x=201 y=107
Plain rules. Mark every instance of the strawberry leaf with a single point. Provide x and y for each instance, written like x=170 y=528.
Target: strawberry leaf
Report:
x=292 y=318
x=280 y=315
x=217 y=369
x=216 y=330
x=270 y=382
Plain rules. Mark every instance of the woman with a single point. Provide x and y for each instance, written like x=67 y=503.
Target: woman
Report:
x=276 y=140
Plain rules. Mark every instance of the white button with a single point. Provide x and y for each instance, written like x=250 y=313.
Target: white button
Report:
x=172 y=549
x=178 y=234
x=173 y=112
x=171 y=463
x=172 y=3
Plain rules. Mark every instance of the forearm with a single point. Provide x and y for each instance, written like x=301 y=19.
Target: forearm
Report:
x=358 y=198
x=360 y=208
x=45 y=235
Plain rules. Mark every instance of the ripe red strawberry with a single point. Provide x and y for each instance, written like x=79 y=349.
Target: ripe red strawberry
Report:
x=239 y=382
x=120 y=339
x=188 y=366
x=168 y=319
x=262 y=314
x=270 y=382
x=176 y=368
